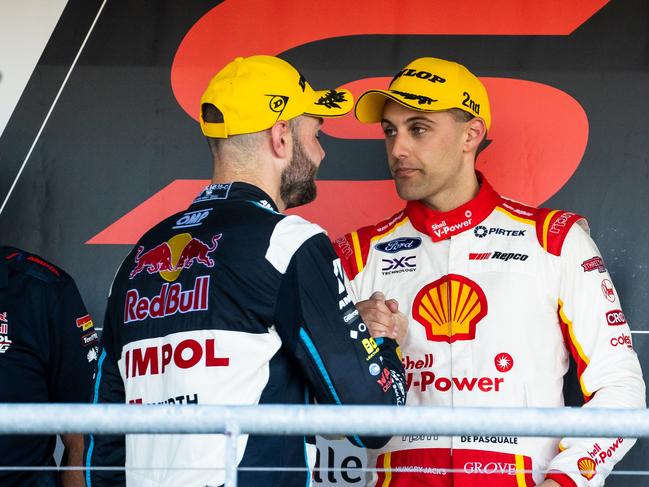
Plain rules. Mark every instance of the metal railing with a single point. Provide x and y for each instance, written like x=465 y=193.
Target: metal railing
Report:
x=325 y=420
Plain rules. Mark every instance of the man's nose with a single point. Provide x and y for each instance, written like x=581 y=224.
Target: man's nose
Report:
x=322 y=151
x=399 y=146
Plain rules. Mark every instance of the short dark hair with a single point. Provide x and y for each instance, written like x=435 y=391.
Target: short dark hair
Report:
x=463 y=116
x=242 y=143
x=211 y=114
x=460 y=115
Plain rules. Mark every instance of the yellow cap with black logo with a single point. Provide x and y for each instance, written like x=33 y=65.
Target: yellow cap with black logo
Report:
x=255 y=92
x=428 y=84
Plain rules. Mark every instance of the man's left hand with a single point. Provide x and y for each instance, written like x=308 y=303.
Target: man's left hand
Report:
x=383 y=318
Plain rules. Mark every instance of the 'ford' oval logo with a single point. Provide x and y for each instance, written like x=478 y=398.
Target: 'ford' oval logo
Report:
x=399 y=244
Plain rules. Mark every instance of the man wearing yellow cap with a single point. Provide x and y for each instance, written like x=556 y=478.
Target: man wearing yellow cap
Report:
x=233 y=302
x=499 y=296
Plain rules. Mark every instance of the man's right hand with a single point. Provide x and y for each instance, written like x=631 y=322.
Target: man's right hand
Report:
x=383 y=318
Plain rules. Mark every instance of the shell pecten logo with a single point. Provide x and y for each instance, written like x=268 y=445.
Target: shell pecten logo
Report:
x=586 y=467
x=450 y=308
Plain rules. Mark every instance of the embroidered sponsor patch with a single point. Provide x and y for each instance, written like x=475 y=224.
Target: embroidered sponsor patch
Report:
x=592 y=264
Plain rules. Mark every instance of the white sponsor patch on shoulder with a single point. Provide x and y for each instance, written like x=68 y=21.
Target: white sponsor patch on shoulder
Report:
x=288 y=236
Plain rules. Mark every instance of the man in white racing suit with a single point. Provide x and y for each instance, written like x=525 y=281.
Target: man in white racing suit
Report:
x=499 y=296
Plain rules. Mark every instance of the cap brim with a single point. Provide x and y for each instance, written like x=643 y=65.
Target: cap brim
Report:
x=330 y=103
x=369 y=107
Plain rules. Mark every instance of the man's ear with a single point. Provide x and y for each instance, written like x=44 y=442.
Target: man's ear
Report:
x=281 y=140
x=476 y=130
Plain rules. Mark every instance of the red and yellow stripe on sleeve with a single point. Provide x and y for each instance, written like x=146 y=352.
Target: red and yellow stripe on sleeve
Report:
x=352 y=252
x=354 y=248
x=576 y=350
x=552 y=228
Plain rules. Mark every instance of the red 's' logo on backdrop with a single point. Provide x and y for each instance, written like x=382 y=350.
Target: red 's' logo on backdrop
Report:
x=552 y=142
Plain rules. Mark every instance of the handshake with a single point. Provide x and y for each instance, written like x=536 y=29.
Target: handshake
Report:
x=383 y=318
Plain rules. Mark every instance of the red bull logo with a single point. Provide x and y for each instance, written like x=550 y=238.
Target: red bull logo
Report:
x=170 y=258
x=172 y=299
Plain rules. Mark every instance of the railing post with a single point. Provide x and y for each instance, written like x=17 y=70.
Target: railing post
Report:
x=232 y=432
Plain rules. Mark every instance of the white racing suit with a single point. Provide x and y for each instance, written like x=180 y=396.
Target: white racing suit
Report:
x=499 y=296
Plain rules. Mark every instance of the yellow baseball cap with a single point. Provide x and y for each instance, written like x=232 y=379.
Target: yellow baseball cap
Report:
x=255 y=92
x=428 y=84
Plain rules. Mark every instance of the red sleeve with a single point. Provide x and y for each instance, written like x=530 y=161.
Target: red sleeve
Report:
x=552 y=227
x=561 y=478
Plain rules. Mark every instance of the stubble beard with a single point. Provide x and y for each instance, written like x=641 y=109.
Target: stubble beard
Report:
x=297 y=186
x=410 y=189
x=405 y=191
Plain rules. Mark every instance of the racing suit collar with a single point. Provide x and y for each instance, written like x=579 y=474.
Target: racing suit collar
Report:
x=441 y=225
x=236 y=191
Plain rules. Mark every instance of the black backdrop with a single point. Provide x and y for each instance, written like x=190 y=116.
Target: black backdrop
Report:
x=117 y=135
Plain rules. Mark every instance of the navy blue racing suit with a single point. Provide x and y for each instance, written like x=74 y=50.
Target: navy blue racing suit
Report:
x=48 y=353
x=231 y=302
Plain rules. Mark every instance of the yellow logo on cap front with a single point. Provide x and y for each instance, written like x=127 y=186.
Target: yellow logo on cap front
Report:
x=450 y=308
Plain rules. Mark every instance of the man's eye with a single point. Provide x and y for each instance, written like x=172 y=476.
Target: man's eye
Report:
x=389 y=131
x=416 y=130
